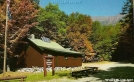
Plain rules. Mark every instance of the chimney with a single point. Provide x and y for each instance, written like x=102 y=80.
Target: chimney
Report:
x=32 y=36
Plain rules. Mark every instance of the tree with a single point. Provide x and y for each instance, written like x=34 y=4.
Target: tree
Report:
x=125 y=47
x=23 y=14
x=96 y=28
x=78 y=33
x=36 y=1
x=51 y=22
x=105 y=39
x=1 y=2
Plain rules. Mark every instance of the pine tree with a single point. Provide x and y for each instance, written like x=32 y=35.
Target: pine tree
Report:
x=125 y=48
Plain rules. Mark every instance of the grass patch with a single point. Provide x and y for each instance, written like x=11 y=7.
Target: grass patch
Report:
x=40 y=77
x=116 y=73
x=34 y=77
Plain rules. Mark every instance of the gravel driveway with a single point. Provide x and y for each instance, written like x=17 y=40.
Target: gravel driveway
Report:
x=101 y=66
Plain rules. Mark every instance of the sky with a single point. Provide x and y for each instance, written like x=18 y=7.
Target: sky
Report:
x=88 y=7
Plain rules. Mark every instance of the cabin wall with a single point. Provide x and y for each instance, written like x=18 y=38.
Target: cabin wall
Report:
x=33 y=58
x=61 y=61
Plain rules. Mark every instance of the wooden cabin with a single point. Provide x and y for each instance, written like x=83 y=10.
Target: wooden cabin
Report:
x=38 y=48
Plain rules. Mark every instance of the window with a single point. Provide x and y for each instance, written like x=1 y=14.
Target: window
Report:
x=75 y=58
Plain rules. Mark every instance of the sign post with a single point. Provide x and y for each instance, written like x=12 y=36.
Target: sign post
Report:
x=48 y=62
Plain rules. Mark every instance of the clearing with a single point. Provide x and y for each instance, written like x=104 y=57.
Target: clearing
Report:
x=105 y=66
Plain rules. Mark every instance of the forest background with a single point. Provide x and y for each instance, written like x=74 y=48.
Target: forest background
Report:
x=76 y=31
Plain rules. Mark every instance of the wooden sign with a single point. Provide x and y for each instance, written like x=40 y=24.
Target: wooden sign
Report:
x=48 y=62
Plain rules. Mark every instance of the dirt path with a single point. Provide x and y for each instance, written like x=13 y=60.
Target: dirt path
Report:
x=100 y=65
x=107 y=65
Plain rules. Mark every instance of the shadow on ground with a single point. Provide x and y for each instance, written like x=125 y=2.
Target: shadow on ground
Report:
x=126 y=73
x=116 y=73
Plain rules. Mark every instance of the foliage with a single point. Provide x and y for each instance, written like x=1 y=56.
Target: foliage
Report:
x=51 y=22
x=36 y=1
x=125 y=47
x=1 y=2
x=23 y=18
x=78 y=32
x=105 y=39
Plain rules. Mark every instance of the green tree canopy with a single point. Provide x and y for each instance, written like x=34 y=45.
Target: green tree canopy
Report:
x=105 y=39
x=52 y=21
